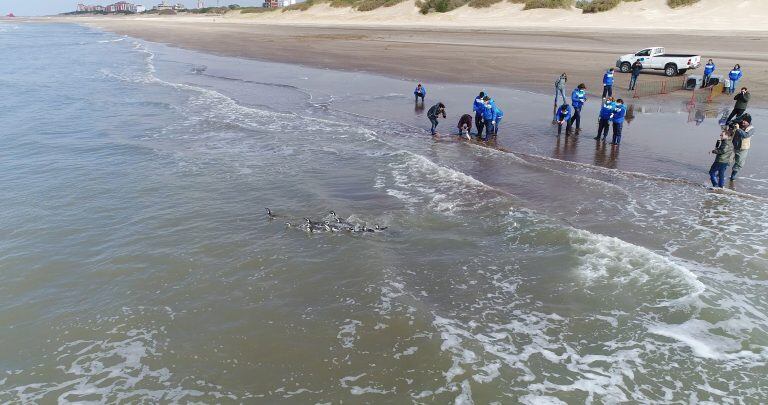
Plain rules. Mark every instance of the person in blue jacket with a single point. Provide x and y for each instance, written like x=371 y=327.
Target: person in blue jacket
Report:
x=578 y=98
x=709 y=68
x=608 y=83
x=478 y=107
x=498 y=115
x=489 y=118
x=619 y=112
x=563 y=116
x=419 y=92
x=604 y=120
x=734 y=76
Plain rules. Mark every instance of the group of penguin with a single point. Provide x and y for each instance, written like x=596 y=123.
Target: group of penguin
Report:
x=334 y=223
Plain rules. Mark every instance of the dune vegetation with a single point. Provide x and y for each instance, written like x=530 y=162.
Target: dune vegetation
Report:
x=681 y=3
x=598 y=6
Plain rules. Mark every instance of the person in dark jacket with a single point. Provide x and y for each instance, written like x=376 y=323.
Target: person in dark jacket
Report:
x=636 y=68
x=742 y=101
x=465 y=125
x=420 y=92
x=434 y=112
x=478 y=107
x=563 y=116
x=742 y=140
x=724 y=151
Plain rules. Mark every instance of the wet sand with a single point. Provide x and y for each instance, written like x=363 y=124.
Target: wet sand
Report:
x=528 y=60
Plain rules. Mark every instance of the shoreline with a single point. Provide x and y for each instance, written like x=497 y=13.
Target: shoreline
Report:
x=519 y=59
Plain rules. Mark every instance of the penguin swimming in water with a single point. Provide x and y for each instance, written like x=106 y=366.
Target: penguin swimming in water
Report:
x=270 y=215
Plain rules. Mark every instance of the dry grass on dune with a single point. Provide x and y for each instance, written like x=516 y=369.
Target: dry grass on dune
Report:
x=597 y=6
x=681 y=3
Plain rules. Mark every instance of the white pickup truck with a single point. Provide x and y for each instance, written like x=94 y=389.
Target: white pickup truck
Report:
x=655 y=58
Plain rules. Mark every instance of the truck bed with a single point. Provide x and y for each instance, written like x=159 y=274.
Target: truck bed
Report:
x=676 y=55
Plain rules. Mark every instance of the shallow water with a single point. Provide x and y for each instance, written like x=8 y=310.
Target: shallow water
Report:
x=138 y=264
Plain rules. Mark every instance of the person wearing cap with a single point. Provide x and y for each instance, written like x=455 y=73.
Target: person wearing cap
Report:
x=608 y=83
x=742 y=139
x=724 y=152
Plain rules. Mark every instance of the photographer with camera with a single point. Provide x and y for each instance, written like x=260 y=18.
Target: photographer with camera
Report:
x=742 y=137
x=742 y=101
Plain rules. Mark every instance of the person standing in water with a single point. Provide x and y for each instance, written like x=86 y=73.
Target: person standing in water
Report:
x=604 y=120
x=619 y=112
x=419 y=92
x=478 y=107
x=489 y=118
x=433 y=113
x=742 y=101
x=636 y=68
x=563 y=116
x=709 y=68
x=560 y=84
x=578 y=98
x=498 y=115
x=734 y=76
x=742 y=140
x=608 y=83
x=724 y=151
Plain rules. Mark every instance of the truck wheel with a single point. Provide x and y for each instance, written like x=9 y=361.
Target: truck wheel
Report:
x=670 y=70
x=625 y=67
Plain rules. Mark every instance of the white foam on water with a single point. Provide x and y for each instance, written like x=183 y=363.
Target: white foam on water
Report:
x=622 y=262
x=348 y=333
x=540 y=400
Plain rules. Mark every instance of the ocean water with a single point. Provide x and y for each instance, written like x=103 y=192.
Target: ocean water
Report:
x=137 y=264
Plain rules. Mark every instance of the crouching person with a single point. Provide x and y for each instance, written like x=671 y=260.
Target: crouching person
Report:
x=465 y=126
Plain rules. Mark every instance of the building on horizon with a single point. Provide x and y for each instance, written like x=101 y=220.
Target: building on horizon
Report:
x=119 y=7
x=166 y=6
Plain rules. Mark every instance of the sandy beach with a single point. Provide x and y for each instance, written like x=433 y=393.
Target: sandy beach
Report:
x=526 y=53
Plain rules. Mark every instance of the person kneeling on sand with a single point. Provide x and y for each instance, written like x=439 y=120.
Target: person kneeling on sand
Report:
x=619 y=112
x=742 y=139
x=434 y=112
x=724 y=151
x=420 y=92
x=465 y=126
x=563 y=116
